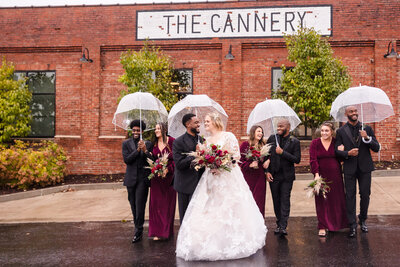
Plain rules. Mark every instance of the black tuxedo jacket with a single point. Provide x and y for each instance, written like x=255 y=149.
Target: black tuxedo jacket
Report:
x=185 y=176
x=291 y=155
x=364 y=160
x=136 y=162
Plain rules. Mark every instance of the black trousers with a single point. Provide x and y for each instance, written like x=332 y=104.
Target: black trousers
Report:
x=364 y=184
x=183 y=203
x=281 y=190
x=137 y=196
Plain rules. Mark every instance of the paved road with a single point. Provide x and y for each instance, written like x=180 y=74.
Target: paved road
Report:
x=108 y=244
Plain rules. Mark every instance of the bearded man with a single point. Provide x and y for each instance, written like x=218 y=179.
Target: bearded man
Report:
x=353 y=145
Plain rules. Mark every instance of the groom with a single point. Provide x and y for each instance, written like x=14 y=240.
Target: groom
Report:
x=186 y=177
x=357 y=142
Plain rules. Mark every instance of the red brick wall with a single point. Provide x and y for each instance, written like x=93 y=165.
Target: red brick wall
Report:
x=86 y=94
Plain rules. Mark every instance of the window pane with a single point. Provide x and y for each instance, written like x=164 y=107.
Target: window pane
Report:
x=276 y=76
x=41 y=82
x=183 y=80
x=42 y=127
x=19 y=75
x=42 y=105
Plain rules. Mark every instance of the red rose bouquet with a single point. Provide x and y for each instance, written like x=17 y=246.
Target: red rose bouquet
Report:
x=212 y=157
x=256 y=155
x=253 y=154
x=158 y=166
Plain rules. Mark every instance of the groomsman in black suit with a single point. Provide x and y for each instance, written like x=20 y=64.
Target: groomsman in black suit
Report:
x=353 y=144
x=281 y=173
x=135 y=153
x=185 y=176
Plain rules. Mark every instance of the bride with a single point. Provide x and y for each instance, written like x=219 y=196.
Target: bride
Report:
x=222 y=220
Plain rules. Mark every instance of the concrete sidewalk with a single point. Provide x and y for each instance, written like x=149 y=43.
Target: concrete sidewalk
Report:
x=109 y=202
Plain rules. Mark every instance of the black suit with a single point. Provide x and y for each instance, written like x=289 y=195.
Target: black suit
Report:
x=282 y=170
x=136 y=179
x=356 y=168
x=186 y=177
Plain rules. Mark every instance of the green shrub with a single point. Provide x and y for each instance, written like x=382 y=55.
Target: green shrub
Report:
x=25 y=165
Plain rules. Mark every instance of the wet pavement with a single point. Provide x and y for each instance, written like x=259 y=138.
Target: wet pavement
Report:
x=108 y=244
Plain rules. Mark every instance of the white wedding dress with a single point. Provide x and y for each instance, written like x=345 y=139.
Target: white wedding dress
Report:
x=222 y=220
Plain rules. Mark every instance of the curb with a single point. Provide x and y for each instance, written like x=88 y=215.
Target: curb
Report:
x=57 y=189
x=119 y=185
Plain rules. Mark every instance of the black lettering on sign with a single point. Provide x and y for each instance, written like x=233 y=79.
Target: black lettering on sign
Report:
x=212 y=23
x=245 y=24
x=228 y=22
x=194 y=23
x=262 y=24
x=301 y=18
x=168 y=16
x=289 y=21
x=181 y=23
x=274 y=21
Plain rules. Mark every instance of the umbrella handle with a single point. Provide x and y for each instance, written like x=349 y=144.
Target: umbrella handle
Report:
x=273 y=129
x=362 y=118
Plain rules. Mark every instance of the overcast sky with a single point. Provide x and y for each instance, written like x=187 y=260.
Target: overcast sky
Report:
x=24 y=3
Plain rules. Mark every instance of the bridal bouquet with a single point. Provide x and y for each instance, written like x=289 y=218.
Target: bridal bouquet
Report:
x=212 y=157
x=158 y=166
x=318 y=186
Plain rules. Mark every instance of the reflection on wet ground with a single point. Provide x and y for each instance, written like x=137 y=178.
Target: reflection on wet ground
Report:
x=108 y=244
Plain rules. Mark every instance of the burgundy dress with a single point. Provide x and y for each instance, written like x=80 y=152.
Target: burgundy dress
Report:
x=162 y=198
x=331 y=212
x=255 y=178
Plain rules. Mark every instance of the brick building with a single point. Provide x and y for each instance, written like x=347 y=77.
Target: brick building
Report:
x=76 y=100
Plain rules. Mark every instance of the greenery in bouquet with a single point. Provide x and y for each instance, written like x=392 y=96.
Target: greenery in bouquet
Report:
x=158 y=166
x=318 y=186
x=212 y=157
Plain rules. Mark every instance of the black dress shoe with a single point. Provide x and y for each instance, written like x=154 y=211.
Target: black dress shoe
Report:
x=363 y=227
x=352 y=232
x=283 y=232
x=277 y=230
x=137 y=238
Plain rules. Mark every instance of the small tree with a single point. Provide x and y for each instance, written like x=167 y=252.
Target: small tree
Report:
x=15 y=98
x=316 y=80
x=148 y=70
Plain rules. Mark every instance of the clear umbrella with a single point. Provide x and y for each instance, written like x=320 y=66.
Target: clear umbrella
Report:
x=200 y=105
x=268 y=113
x=139 y=105
x=372 y=103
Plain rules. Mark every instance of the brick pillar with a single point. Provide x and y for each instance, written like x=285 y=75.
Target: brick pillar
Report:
x=386 y=78
x=232 y=86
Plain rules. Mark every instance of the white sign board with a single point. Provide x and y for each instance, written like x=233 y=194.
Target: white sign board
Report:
x=255 y=22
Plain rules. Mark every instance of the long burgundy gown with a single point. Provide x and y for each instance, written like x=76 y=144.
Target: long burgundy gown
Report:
x=162 y=198
x=255 y=178
x=331 y=212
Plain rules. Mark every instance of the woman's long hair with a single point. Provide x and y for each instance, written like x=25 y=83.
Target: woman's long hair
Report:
x=252 y=139
x=164 y=131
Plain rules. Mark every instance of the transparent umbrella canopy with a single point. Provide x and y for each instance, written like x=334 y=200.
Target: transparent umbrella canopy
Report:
x=200 y=105
x=139 y=105
x=372 y=103
x=268 y=113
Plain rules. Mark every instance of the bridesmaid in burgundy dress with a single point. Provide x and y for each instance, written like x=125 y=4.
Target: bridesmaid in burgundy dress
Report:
x=254 y=171
x=331 y=211
x=162 y=194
